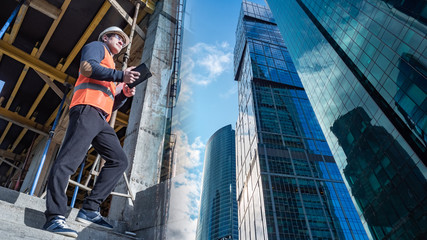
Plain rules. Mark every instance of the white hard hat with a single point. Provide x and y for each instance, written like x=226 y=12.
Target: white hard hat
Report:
x=116 y=30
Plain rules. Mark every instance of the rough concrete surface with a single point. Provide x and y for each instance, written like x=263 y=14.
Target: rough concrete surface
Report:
x=22 y=217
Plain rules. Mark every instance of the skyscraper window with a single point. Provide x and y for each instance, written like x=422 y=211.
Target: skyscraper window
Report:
x=288 y=184
x=363 y=65
x=218 y=208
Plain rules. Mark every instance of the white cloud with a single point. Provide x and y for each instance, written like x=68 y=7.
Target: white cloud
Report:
x=187 y=155
x=186 y=188
x=204 y=63
x=225 y=45
x=184 y=208
x=185 y=75
x=216 y=63
x=185 y=93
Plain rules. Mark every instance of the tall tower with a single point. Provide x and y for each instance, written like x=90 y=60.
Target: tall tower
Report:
x=288 y=184
x=370 y=95
x=218 y=210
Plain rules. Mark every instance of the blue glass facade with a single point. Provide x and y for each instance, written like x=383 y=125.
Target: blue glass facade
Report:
x=218 y=210
x=363 y=64
x=288 y=184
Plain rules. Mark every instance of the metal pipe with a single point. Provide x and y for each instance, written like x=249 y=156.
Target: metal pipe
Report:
x=76 y=189
x=6 y=25
x=132 y=32
x=98 y=157
x=51 y=133
x=80 y=185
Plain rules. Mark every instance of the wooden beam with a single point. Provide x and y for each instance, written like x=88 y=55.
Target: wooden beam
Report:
x=18 y=22
x=9 y=163
x=20 y=80
x=71 y=57
x=52 y=27
x=36 y=53
x=6 y=130
x=122 y=118
x=15 y=90
x=46 y=8
x=37 y=101
x=18 y=139
x=10 y=38
x=150 y=6
x=23 y=122
x=32 y=109
x=53 y=86
x=96 y=20
x=30 y=112
x=34 y=62
x=10 y=155
x=126 y=16
x=141 y=15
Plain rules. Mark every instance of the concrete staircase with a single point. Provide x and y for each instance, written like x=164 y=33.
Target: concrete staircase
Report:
x=22 y=217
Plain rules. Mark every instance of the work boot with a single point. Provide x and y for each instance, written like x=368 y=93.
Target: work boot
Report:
x=89 y=217
x=58 y=225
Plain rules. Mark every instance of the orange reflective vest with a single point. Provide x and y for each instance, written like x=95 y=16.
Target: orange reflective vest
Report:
x=94 y=92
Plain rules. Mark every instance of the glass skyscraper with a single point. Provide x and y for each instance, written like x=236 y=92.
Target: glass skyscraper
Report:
x=363 y=64
x=218 y=208
x=288 y=184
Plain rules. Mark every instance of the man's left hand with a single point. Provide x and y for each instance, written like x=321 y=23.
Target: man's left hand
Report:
x=128 y=92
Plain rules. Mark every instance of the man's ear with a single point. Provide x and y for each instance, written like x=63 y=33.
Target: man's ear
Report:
x=104 y=38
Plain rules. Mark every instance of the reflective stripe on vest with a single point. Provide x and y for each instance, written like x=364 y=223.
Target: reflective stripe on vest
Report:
x=94 y=86
x=96 y=93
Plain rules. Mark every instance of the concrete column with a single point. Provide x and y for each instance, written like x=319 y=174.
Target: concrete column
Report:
x=147 y=121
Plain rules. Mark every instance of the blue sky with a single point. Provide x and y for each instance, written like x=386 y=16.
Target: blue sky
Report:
x=1 y=85
x=209 y=82
x=207 y=102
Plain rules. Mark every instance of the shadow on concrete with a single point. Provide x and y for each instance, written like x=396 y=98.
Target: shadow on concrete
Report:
x=8 y=195
x=34 y=218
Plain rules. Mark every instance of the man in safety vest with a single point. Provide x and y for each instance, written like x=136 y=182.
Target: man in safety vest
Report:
x=95 y=97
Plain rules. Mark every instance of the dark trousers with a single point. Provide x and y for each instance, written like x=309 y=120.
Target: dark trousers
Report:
x=86 y=126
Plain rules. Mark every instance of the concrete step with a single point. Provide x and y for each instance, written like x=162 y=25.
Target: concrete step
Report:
x=12 y=231
x=22 y=200
x=22 y=217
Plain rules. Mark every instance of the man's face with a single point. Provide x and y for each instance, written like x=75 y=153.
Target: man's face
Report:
x=115 y=42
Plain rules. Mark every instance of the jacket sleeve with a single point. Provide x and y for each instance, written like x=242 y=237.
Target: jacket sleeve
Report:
x=120 y=98
x=90 y=64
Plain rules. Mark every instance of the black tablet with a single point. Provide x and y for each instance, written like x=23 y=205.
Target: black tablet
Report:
x=144 y=75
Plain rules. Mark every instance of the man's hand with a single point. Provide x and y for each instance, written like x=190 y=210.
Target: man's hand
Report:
x=128 y=92
x=130 y=76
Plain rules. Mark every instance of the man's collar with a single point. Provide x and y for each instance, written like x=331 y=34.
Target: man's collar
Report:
x=106 y=46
